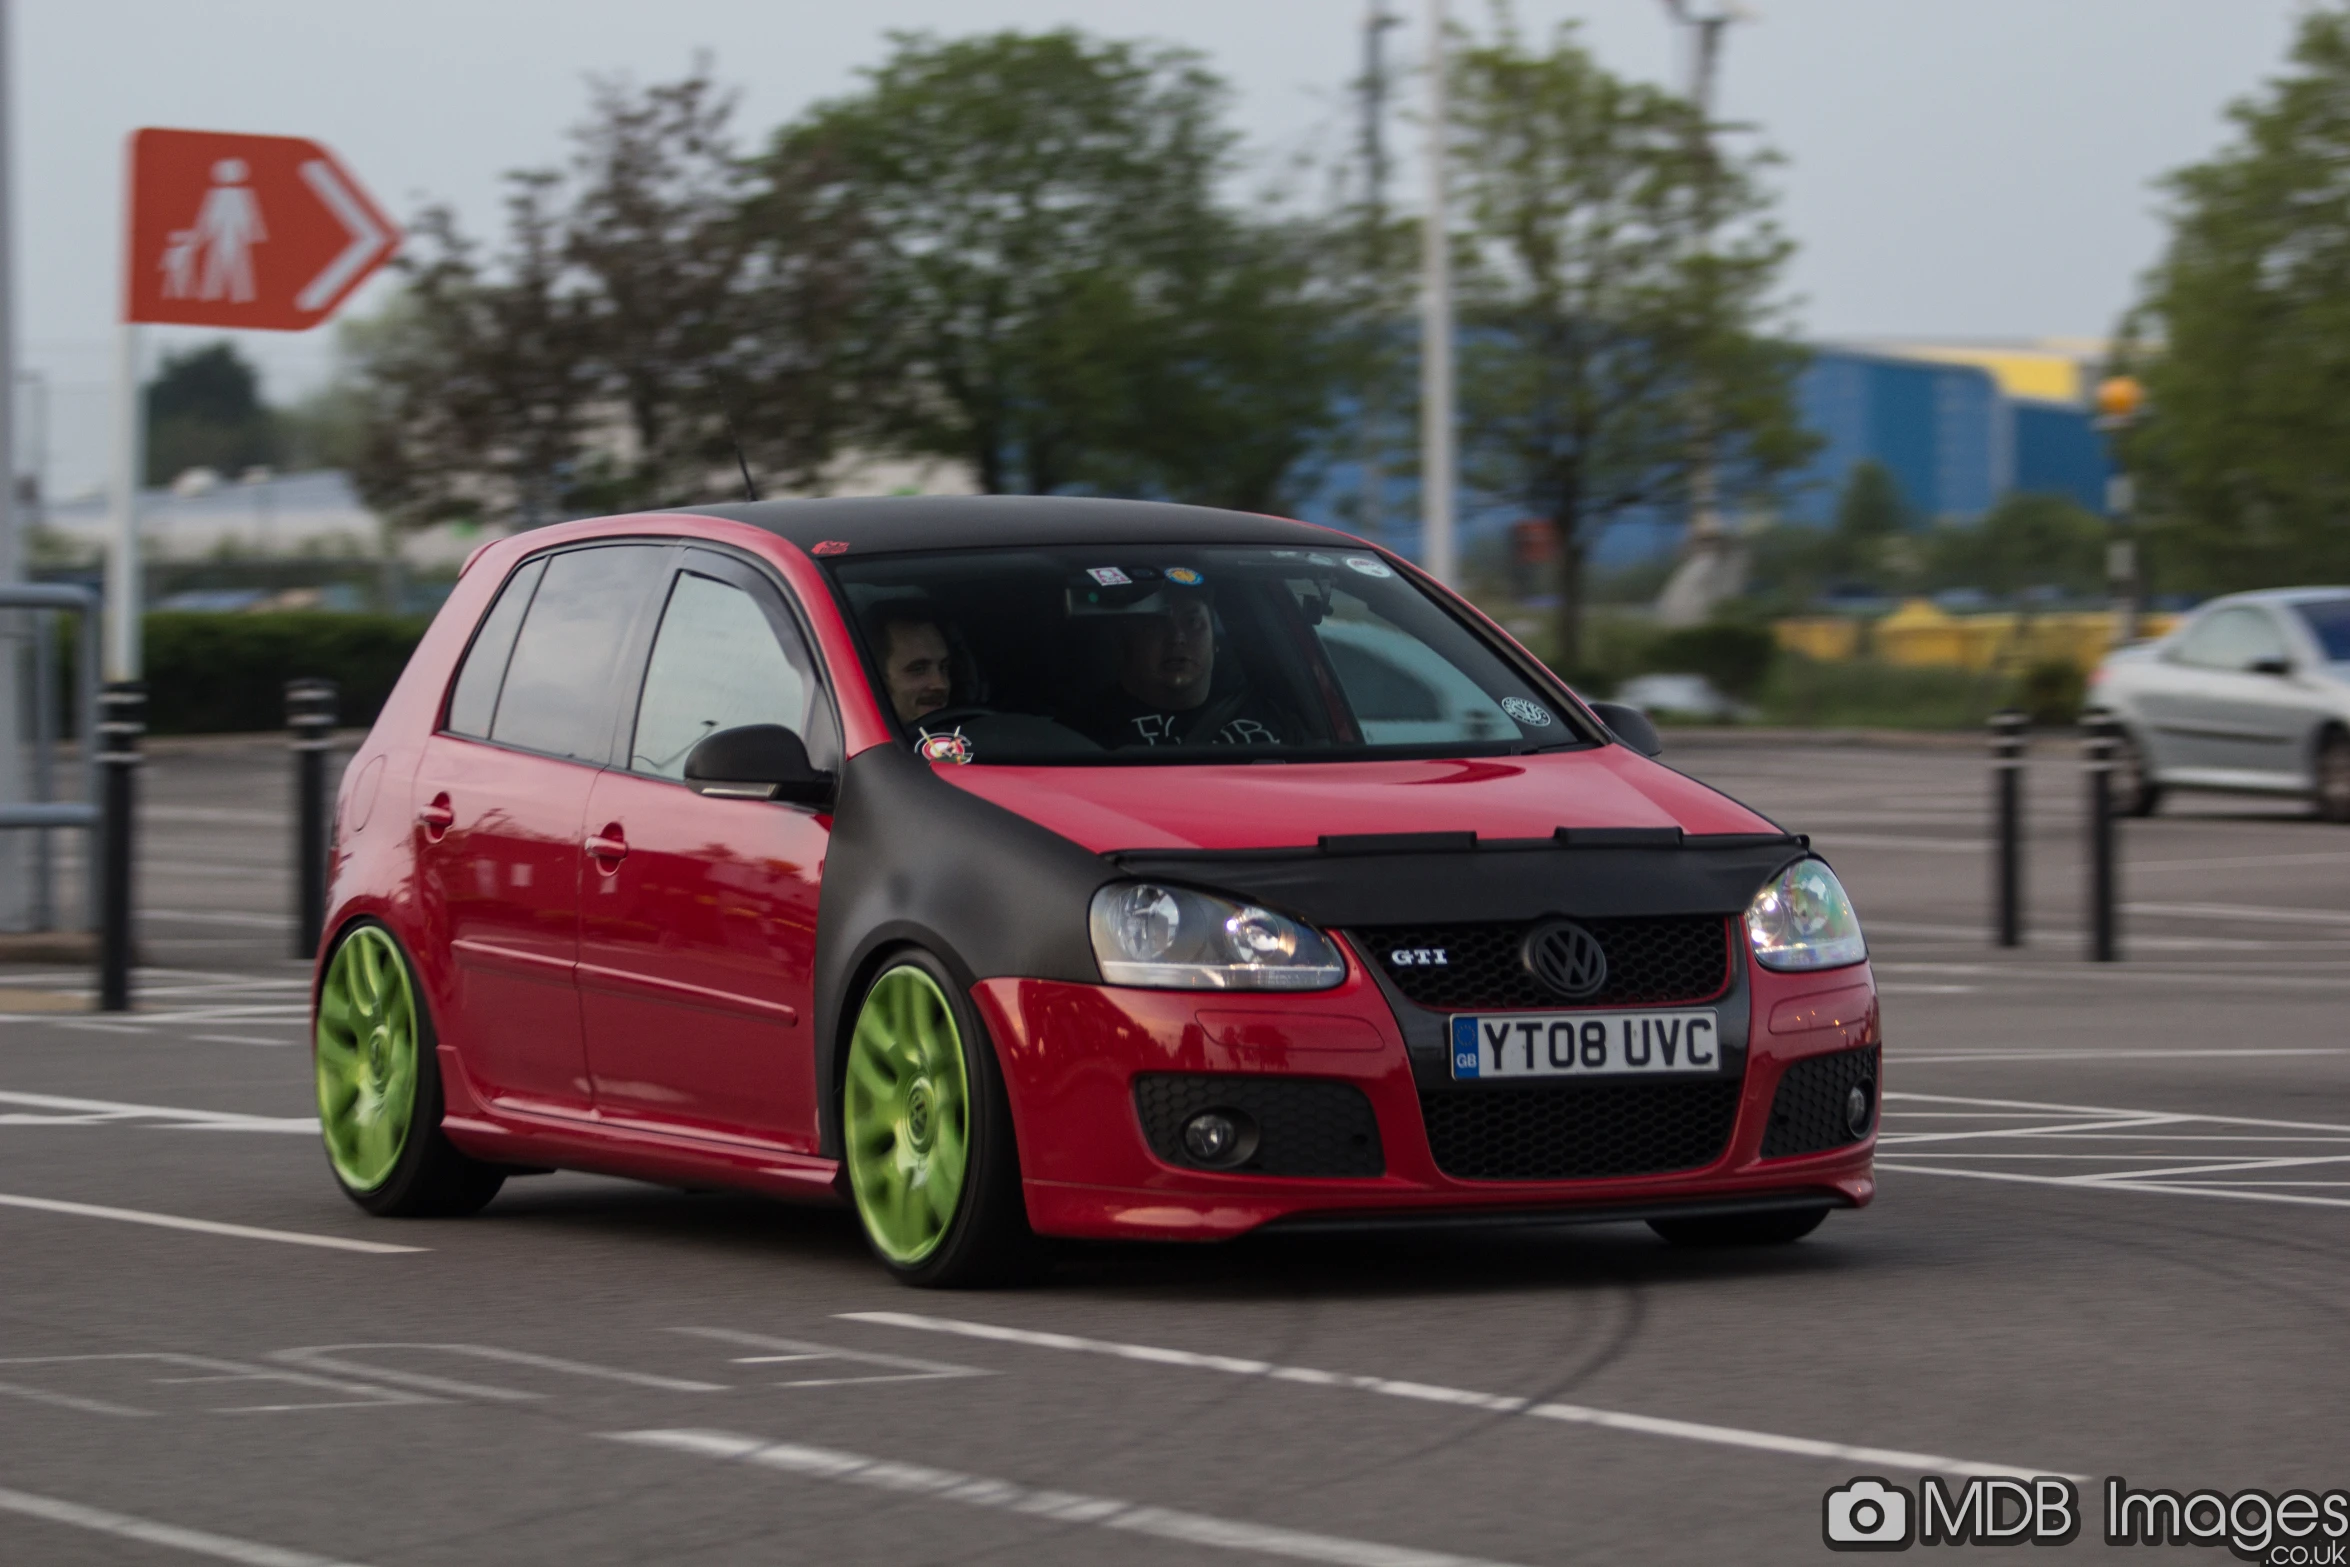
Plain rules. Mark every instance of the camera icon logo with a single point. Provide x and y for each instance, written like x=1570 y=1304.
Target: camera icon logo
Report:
x=1867 y=1514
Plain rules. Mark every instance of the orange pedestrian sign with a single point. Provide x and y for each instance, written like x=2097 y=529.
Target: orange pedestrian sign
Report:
x=267 y=232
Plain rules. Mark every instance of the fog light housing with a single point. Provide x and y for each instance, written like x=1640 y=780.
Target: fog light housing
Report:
x=1860 y=1108
x=1220 y=1139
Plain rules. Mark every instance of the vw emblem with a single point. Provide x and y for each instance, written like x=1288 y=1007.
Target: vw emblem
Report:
x=1567 y=958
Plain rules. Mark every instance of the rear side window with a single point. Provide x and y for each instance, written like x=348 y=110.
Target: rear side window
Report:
x=558 y=693
x=720 y=661
x=2234 y=638
x=474 y=701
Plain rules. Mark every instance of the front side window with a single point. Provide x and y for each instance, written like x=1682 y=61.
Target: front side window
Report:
x=2328 y=621
x=720 y=660
x=558 y=696
x=1092 y=654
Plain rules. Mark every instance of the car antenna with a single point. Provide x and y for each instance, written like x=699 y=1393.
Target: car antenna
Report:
x=750 y=490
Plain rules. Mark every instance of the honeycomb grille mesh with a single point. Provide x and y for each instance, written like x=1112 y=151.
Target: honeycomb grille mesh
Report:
x=1305 y=1126
x=1582 y=1131
x=1807 y=1114
x=1677 y=958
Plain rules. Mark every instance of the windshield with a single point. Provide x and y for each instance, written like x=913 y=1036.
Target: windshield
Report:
x=1092 y=654
x=2329 y=621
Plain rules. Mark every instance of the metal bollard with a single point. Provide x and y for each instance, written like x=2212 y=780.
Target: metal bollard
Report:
x=2097 y=750
x=310 y=719
x=2007 y=772
x=122 y=709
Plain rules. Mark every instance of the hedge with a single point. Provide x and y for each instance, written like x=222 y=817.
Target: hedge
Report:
x=212 y=674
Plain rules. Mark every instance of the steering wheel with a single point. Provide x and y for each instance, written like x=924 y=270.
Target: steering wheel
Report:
x=951 y=716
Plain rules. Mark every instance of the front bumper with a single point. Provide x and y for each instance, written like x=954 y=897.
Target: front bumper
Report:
x=1072 y=1053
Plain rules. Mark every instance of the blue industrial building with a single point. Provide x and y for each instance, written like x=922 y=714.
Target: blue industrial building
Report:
x=1953 y=436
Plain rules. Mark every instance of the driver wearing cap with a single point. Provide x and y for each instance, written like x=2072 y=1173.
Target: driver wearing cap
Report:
x=1165 y=691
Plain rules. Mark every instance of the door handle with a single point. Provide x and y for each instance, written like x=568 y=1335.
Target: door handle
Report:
x=610 y=845
x=436 y=817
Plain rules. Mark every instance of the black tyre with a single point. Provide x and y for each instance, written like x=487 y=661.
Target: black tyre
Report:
x=2333 y=777
x=2135 y=793
x=379 y=1087
x=1741 y=1229
x=927 y=1137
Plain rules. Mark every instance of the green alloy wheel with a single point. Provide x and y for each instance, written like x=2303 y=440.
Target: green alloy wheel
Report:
x=366 y=1058
x=908 y=1120
x=927 y=1134
x=379 y=1089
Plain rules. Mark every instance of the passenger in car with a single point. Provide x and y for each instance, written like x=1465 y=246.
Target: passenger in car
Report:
x=917 y=658
x=1165 y=694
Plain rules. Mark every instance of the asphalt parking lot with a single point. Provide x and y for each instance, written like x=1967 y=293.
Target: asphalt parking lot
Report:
x=2110 y=1240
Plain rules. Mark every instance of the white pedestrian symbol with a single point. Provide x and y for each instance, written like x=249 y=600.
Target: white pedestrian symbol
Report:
x=227 y=228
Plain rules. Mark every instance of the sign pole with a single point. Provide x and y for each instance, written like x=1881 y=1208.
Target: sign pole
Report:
x=122 y=560
x=15 y=858
x=1436 y=421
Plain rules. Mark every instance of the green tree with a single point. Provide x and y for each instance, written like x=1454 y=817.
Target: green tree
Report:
x=648 y=307
x=2243 y=338
x=204 y=410
x=1620 y=294
x=1064 y=300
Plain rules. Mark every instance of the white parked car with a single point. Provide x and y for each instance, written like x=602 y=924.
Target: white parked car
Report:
x=2249 y=695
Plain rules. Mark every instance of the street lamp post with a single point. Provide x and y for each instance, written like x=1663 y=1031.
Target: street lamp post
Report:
x=2119 y=398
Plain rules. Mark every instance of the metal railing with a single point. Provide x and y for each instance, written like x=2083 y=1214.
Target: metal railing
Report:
x=45 y=812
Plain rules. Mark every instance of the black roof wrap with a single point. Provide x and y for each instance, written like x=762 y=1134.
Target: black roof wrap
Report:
x=1515 y=882
x=886 y=524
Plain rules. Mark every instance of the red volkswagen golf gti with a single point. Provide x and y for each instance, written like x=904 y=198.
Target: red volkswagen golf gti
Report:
x=1017 y=867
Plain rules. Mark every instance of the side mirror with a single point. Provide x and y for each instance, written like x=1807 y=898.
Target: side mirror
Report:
x=2271 y=666
x=1631 y=726
x=756 y=762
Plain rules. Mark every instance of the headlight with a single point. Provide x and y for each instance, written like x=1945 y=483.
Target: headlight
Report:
x=1803 y=920
x=1169 y=938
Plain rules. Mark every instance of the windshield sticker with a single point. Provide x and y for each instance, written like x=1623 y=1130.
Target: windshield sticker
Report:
x=1368 y=567
x=831 y=547
x=1320 y=560
x=950 y=747
x=1525 y=712
x=1108 y=576
x=1185 y=575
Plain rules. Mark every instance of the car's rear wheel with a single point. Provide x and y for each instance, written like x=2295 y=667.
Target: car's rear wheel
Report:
x=1741 y=1229
x=379 y=1088
x=2333 y=777
x=2135 y=793
x=927 y=1133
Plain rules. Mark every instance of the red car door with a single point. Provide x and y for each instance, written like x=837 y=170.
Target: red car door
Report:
x=698 y=914
x=501 y=793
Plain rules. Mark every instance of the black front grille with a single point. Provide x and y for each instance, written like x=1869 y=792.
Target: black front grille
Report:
x=1305 y=1126
x=1682 y=957
x=1808 y=1112
x=1580 y=1131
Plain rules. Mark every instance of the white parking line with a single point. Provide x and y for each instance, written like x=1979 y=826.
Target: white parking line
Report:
x=334 y=1357
x=898 y=1368
x=1102 y=1512
x=99 y=1112
x=1573 y=1414
x=197 y=1542
x=169 y=1221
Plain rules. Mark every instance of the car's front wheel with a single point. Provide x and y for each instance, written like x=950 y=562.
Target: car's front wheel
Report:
x=379 y=1088
x=1741 y=1229
x=2333 y=777
x=927 y=1134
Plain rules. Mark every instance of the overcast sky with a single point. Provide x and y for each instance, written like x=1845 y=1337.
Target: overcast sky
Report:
x=1955 y=168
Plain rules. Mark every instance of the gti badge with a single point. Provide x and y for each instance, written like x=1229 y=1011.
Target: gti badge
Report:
x=1418 y=957
x=1567 y=958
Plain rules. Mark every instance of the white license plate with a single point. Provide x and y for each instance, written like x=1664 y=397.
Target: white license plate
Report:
x=1586 y=1044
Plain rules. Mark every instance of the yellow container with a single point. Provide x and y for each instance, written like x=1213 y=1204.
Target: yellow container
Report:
x=1921 y=635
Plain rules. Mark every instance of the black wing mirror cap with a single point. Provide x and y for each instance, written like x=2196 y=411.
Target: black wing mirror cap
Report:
x=757 y=762
x=1631 y=726
x=2272 y=666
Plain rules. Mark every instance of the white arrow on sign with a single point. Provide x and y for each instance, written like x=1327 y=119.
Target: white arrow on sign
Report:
x=367 y=240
